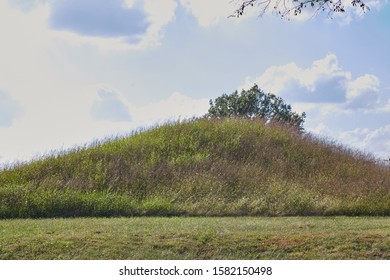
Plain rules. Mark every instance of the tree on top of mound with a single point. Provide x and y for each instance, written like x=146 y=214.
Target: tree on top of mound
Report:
x=255 y=103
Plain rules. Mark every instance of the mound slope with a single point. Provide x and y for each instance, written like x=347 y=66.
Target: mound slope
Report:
x=200 y=167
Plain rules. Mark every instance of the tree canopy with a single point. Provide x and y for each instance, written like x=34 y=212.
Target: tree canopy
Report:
x=254 y=103
x=296 y=7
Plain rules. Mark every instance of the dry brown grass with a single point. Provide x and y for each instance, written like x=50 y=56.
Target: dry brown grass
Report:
x=200 y=167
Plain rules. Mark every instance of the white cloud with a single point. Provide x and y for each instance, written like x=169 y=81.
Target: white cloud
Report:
x=322 y=130
x=323 y=82
x=59 y=110
x=157 y=15
x=26 y=5
x=356 y=13
x=355 y=137
x=378 y=141
x=98 y=18
x=386 y=107
x=9 y=110
x=140 y=26
x=79 y=115
x=208 y=12
x=375 y=141
x=338 y=106
x=45 y=72
x=21 y=33
x=175 y=106
x=372 y=141
x=109 y=107
x=275 y=78
x=363 y=92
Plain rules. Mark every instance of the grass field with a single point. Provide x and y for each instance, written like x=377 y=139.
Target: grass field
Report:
x=196 y=238
x=234 y=189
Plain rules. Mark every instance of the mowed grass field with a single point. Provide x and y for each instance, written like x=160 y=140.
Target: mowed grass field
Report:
x=196 y=238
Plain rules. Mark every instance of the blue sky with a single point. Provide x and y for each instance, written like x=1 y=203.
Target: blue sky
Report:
x=75 y=71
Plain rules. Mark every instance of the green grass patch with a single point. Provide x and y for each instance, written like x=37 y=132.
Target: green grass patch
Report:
x=196 y=238
x=26 y=201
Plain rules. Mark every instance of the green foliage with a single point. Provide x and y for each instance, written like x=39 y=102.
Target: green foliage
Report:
x=254 y=103
x=27 y=201
x=203 y=167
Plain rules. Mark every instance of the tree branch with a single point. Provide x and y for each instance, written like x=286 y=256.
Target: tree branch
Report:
x=287 y=7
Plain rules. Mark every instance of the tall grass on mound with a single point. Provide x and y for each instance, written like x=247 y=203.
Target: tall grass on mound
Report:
x=201 y=167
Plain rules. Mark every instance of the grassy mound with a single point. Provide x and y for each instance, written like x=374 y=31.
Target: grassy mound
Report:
x=201 y=167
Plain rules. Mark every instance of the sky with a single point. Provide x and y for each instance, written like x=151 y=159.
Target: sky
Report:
x=76 y=71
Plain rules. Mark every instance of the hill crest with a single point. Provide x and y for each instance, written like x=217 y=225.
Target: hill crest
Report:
x=227 y=167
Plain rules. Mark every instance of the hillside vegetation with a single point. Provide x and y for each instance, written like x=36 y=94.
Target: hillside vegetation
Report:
x=228 y=167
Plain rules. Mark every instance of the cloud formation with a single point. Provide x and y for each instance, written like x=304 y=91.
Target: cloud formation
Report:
x=109 y=107
x=9 y=110
x=99 y=18
x=26 y=5
x=378 y=141
x=209 y=13
x=56 y=75
x=375 y=141
x=112 y=25
x=363 y=92
x=323 y=82
x=355 y=13
x=338 y=105
x=177 y=105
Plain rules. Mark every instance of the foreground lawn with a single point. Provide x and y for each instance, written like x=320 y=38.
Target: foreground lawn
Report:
x=196 y=238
